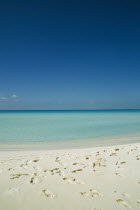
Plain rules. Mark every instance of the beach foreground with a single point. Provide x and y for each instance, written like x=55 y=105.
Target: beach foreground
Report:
x=98 y=178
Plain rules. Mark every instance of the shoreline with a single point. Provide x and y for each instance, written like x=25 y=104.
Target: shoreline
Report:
x=73 y=144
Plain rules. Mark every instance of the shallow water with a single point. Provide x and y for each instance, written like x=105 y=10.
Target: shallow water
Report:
x=55 y=126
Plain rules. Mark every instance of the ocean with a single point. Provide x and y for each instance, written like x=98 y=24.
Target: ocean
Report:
x=62 y=126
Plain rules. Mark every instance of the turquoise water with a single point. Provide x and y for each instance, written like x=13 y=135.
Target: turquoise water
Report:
x=52 y=126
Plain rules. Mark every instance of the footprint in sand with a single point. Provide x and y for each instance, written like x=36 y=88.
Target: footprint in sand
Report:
x=75 y=164
x=113 y=154
x=92 y=193
x=97 y=154
x=87 y=158
x=124 y=194
x=122 y=162
x=57 y=159
x=71 y=180
x=55 y=171
x=16 y=176
x=49 y=194
x=118 y=163
x=60 y=173
x=99 y=163
x=80 y=164
x=28 y=162
x=36 y=179
x=116 y=149
x=35 y=161
x=77 y=170
x=24 y=165
x=124 y=203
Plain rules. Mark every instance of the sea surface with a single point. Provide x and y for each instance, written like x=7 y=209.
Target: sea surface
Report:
x=62 y=126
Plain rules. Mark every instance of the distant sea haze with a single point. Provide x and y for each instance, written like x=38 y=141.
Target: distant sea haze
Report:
x=64 y=126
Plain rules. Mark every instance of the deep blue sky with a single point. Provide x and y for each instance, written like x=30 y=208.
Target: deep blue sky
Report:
x=69 y=54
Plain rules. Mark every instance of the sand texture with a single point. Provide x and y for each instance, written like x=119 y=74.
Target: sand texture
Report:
x=100 y=178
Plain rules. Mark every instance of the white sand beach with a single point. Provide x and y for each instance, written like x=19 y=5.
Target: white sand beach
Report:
x=98 y=178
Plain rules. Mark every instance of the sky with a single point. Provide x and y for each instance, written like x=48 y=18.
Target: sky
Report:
x=69 y=54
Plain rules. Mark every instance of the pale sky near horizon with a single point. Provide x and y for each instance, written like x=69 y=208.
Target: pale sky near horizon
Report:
x=69 y=54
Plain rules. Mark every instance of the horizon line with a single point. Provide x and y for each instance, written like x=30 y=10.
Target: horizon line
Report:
x=68 y=109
